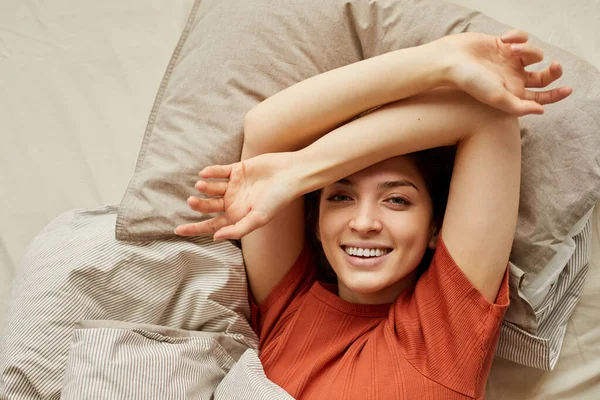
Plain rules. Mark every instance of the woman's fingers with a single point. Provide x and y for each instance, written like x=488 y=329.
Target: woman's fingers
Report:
x=511 y=104
x=244 y=226
x=216 y=171
x=206 y=206
x=545 y=77
x=532 y=102
x=212 y=188
x=529 y=53
x=202 y=228
x=549 y=96
x=515 y=36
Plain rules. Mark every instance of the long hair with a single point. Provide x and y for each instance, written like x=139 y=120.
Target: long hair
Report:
x=435 y=166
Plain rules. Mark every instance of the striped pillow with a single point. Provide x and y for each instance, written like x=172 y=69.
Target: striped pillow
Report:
x=75 y=270
x=112 y=360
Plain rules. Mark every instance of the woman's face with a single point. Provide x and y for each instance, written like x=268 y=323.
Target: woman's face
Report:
x=386 y=209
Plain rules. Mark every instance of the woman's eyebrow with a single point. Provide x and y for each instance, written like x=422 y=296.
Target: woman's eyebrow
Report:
x=345 y=182
x=395 y=184
x=383 y=185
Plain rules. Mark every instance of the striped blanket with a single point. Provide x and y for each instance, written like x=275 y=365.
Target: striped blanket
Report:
x=94 y=318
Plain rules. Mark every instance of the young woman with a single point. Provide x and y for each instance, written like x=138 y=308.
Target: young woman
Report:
x=386 y=329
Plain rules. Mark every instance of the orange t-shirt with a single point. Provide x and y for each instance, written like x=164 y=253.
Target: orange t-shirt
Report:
x=436 y=341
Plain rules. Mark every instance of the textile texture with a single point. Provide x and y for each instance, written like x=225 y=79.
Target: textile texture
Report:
x=219 y=71
x=75 y=270
x=435 y=341
x=116 y=360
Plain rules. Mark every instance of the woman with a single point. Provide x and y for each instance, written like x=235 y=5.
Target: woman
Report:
x=384 y=330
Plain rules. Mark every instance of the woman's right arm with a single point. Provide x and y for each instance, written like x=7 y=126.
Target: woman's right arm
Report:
x=270 y=251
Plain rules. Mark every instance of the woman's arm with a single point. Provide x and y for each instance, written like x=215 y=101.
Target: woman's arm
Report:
x=262 y=192
x=483 y=193
x=481 y=214
x=295 y=117
x=441 y=117
x=483 y=66
x=488 y=68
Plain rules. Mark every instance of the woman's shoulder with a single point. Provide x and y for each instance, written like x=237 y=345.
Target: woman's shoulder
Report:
x=444 y=323
x=445 y=277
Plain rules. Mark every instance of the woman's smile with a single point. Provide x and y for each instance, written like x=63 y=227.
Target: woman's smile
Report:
x=365 y=254
x=359 y=259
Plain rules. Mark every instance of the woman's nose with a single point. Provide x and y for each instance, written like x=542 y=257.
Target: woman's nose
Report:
x=365 y=222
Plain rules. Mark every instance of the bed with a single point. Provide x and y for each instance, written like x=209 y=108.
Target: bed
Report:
x=78 y=83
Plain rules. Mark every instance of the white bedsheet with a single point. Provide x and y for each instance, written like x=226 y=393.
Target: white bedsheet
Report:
x=78 y=79
x=77 y=82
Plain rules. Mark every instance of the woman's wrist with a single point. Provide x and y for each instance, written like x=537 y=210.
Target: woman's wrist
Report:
x=443 y=60
x=304 y=173
x=435 y=68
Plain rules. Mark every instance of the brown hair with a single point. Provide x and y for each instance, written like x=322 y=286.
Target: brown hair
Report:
x=435 y=166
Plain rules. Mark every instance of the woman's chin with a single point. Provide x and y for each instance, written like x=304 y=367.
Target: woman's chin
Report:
x=364 y=287
x=372 y=287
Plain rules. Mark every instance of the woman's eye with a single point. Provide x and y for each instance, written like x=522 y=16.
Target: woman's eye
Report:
x=398 y=201
x=339 y=197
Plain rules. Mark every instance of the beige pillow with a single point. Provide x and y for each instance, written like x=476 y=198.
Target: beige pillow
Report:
x=234 y=53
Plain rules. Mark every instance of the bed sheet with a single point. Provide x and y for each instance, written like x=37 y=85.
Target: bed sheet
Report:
x=577 y=371
x=78 y=82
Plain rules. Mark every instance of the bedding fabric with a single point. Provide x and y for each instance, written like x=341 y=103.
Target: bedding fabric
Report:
x=116 y=360
x=532 y=335
x=212 y=81
x=78 y=77
x=111 y=360
x=576 y=375
x=78 y=80
x=219 y=71
x=75 y=270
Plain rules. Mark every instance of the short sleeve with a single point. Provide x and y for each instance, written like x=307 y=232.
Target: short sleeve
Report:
x=446 y=325
x=279 y=302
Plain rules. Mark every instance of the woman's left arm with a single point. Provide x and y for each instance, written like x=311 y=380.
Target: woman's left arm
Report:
x=484 y=191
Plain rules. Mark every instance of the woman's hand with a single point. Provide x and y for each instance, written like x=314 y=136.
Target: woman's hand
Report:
x=256 y=190
x=492 y=70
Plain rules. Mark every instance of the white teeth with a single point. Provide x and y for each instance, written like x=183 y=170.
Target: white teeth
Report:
x=357 y=251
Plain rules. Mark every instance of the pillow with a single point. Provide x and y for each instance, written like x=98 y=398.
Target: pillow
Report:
x=75 y=270
x=233 y=54
x=116 y=360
